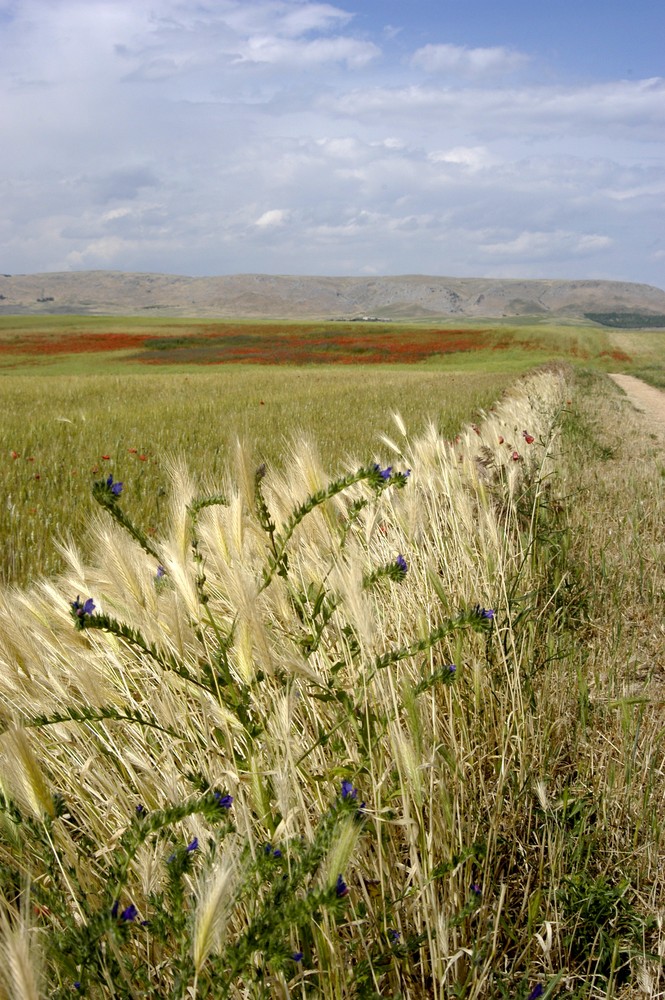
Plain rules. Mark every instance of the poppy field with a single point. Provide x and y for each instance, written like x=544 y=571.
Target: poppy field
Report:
x=76 y=344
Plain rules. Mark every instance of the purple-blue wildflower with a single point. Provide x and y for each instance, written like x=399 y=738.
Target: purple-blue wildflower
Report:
x=348 y=791
x=297 y=956
x=452 y=668
x=225 y=801
x=341 y=888
x=484 y=612
x=192 y=845
x=80 y=610
x=129 y=913
x=76 y=985
x=160 y=572
x=115 y=488
x=401 y=564
x=536 y=992
x=394 y=935
x=140 y=811
x=476 y=890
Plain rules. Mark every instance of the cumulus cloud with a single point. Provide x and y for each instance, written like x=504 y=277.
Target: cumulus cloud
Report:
x=286 y=51
x=273 y=217
x=472 y=157
x=459 y=60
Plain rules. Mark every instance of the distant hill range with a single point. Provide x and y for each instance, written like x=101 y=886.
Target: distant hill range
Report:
x=289 y=296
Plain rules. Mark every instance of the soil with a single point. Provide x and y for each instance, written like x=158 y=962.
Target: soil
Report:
x=646 y=399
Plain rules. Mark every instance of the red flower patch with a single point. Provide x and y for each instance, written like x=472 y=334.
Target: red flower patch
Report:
x=73 y=343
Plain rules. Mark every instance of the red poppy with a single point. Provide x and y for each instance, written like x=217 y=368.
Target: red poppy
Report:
x=14 y=454
x=132 y=451
x=106 y=457
x=143 y=458
x=529 y=438
x=515 y=456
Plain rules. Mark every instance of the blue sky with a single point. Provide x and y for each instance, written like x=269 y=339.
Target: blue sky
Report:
x=448 y=137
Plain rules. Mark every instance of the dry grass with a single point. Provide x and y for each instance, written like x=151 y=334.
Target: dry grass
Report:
x=510 y=837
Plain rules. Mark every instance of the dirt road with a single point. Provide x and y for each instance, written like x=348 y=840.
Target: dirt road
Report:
x=646 y=399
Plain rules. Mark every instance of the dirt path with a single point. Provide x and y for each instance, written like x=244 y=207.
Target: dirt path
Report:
x=646 y=399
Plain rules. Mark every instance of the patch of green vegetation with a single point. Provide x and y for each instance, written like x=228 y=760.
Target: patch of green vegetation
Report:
x=628 y=320
x=653 y=374
x=61 y=425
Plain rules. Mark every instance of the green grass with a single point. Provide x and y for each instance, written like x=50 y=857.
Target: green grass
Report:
x=61 y=426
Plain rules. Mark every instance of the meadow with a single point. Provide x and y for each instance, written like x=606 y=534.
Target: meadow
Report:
x=361 y=707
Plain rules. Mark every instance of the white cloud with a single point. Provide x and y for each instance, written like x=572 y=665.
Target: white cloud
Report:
x=462 y=61
x=627 y=106
x=472 y=157
x=546 y=244
x=289 y=52
x=273 y=217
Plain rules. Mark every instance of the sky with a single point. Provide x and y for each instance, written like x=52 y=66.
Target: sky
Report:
x=466 y=138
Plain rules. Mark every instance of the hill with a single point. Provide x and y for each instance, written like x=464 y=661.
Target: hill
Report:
x=282 y=296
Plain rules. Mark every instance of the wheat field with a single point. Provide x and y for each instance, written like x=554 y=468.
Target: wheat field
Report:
x=360 y=736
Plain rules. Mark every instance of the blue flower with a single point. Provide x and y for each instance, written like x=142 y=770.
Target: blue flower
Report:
x=192 y=845
x=81 y=610
x=348 y=791
x=536 y=992
x=484 y=612
x=115 y=488
x=297 y=956
x=140 y=811
x=452 y=668
x=401 y=564
x=341 y=888
x=160 y=572
x=129 y=913
x=225 y=801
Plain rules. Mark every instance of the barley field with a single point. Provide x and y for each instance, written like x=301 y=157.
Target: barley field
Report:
x=387 y=729
x=60 y=433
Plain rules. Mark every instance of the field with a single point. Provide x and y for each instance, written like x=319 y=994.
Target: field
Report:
x=77 y=345
x=362 y=707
